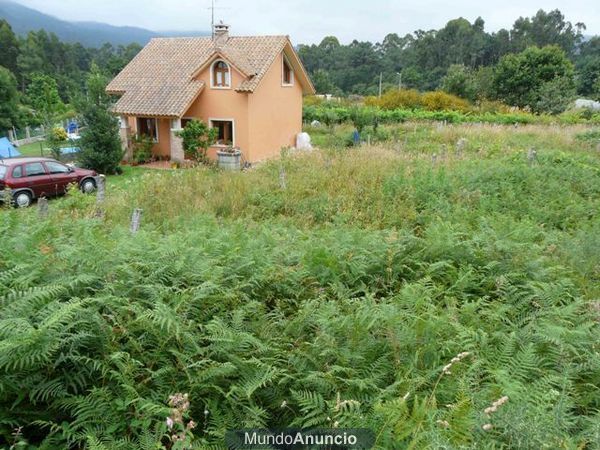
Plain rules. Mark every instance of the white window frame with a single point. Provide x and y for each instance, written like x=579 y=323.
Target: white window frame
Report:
x=284 y=61
x=212 y=74
x=137 y=124
x=218 y=119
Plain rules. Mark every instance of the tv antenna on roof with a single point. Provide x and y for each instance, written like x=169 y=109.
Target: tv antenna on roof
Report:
x=212 y=8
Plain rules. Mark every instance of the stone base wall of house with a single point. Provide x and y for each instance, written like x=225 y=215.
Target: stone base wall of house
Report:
x=177 y=154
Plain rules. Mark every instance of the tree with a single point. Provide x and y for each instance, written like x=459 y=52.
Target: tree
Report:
x=31 y=59
x=588 y=75
x=361 y=117
x=43 y=96
x=9 y=47
x=96 y=87
x=546 y=29
x=322 y=82
x=459 y=80
x=555 y=95
x=100 y=143
x=596 y=89
x=9 y=100
x=519 y=78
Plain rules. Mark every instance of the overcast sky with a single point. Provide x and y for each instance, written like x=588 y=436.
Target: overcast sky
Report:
x=309 y=21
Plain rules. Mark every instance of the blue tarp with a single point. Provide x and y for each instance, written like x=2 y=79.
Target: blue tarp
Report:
x=69 y=150
x=7 y=150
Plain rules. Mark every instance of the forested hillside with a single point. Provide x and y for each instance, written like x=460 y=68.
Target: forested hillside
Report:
x=460 y=49
x=41 y=63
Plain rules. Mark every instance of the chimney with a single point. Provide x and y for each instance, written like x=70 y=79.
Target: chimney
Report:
x=220 y=33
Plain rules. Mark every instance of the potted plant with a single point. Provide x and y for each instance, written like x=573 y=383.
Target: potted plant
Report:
x=229 y=158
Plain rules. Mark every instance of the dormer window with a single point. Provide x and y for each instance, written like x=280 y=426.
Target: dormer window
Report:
x=221 y=75
x=287 y=73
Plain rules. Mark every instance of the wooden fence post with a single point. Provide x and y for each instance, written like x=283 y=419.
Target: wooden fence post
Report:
x=100 y=188
x=531 y=156
x=460 y=145
x=43 y=207
x=100 y=195
x=282 y=183
x=136 y=219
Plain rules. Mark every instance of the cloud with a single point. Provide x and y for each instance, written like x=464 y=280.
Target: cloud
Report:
x=310 y=20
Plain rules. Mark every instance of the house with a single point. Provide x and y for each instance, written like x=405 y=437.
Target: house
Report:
x=249 y=88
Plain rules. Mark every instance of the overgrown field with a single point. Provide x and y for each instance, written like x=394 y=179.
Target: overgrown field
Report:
x=329 y=289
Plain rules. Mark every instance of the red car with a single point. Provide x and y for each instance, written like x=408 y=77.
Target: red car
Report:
x=29 y=178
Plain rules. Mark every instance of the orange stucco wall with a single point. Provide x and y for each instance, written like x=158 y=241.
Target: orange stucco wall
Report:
x=264 y=121
x=223 y=104
x=163 y=146
x=275 y=114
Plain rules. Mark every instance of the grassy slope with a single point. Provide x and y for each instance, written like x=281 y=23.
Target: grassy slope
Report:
x=337 y=299
x=32 y=149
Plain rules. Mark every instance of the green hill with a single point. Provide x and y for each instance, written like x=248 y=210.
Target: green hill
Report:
x=90 y=34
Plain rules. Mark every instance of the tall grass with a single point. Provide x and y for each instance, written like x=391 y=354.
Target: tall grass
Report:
x=340 y=300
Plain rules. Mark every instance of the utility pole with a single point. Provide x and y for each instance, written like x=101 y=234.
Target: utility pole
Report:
x=399 y=80
x=380 y=81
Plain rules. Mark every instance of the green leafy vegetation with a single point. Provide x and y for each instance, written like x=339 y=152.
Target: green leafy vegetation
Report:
x=196 y=137
x=42 y=79
x=441 y=290
x=101 y=147
x=443 y=108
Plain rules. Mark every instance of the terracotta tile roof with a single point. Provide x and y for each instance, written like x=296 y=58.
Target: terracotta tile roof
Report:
x=151 y=100
x=158 y=81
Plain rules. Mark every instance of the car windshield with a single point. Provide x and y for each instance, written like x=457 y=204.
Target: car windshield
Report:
x=2 y=172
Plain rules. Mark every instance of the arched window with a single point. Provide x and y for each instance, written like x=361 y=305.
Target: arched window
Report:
x=221 y=76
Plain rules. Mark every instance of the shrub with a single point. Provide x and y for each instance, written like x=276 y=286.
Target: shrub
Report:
x=403 y=98
x=142 y=148
x=554 y=96
x=197 y=137
x=460 y=81
x=330 y=117
x=312 y=100
x=362 y=117
x=439 y=100
x=492 y=106
x=55 y=139
x=590 y=136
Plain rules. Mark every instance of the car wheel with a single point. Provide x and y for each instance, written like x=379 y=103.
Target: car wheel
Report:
x=22 y=199
x=88 y=185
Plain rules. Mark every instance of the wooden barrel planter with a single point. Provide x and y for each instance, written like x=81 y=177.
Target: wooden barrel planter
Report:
x=229 y=159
